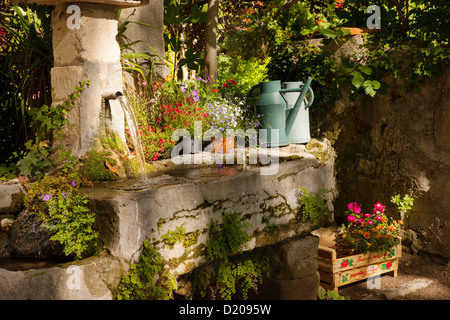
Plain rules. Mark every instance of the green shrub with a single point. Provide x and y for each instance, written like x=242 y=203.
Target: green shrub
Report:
x=64 y=213
x=313 y=206
x=147 y=280
x=233 y=273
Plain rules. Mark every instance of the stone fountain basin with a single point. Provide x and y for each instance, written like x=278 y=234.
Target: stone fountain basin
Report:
x=117 y=3
x=129 y=212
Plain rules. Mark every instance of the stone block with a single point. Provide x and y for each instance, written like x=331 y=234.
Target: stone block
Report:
x=89 y=279
x=297 y=289
x=11 y=198
x=294 y=258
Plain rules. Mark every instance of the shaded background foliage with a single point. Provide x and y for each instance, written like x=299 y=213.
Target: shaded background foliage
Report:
x=26 y=58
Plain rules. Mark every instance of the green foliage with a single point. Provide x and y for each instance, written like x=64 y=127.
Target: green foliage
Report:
x=147 y=279
x=182 y=39
x=271 y=227
x=246 y=72
x=403 y=204
x=50 y=122
x=233 y=273
x=292 y=63
x=323 y=294
x=253 y=29
x=26 y=58
x=313 y=206
x=170 y=238
x=64 y=213
x=7 y=171
x=406 y=48
x=228 y=238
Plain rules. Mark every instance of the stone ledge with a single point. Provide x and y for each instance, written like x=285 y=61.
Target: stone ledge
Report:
x=130 y=212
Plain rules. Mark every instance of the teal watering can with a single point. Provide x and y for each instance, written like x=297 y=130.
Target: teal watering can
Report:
x=288 y=114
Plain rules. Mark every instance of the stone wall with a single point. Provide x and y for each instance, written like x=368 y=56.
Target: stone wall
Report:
x=131 y=212
x=395 y=144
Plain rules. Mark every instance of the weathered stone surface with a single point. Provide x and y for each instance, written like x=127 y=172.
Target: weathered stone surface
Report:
x=11 y=198
x=87 y=53
x=395 y=144
x=296 y=289
x=294 y=258
x=27 y=239
x=151 y=14
x=6 y=224
x=293 y=270
x=89 y=279
x=134 y=211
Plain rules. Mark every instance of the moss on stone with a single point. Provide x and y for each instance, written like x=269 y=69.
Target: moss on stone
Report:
x=94 y=167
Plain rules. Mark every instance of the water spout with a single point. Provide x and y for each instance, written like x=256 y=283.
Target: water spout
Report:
x=132 y=124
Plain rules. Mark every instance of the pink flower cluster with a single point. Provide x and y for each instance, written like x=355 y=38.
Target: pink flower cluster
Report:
x=356 y=209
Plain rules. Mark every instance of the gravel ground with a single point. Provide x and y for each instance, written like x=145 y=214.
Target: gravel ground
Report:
x=419 y=278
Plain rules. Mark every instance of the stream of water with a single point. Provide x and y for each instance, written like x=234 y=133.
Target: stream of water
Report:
x=134 y=132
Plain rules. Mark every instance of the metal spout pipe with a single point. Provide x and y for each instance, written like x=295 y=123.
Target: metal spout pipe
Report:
x=111 y=95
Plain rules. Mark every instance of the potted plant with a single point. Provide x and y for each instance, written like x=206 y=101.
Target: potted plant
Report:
x=368 y=245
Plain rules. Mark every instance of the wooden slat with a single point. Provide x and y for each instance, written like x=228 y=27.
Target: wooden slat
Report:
x=357 y=274
x=327 y=253
x=326 y=277
x=359 y=260
x=325 y=265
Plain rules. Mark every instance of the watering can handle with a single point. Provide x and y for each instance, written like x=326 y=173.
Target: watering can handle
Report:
x=250 y=93
x=311 y=99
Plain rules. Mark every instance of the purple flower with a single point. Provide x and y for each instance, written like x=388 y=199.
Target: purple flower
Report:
x=195 y=96
x=200 y=79
x=74 y=184
x=183 y=89
x=47 y=197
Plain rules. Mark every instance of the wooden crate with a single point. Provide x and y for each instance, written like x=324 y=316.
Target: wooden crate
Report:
x=338 y=268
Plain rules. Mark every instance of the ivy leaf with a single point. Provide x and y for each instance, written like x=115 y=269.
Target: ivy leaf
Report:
x=376 y=85
x=369 y=90
x=366 y=69
x=358 y=80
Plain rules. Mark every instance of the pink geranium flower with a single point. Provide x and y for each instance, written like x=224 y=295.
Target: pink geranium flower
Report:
x=379 y=207
x=354 y=207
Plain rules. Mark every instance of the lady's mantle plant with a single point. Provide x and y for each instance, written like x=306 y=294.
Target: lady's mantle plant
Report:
x=64 y=213
x=369 y=232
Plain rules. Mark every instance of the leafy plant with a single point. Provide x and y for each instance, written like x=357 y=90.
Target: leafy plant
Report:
x=248 y=72
x=64 y=212
x=50 y=122
x=403 y=204
x=323 y=294
x=147 y=279
x=313 y=206
x=26 y=57
x=170 y=238
x=233 y=273
x=228 y=238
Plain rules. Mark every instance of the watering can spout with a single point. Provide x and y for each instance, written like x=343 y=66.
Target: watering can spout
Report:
x=293 y=114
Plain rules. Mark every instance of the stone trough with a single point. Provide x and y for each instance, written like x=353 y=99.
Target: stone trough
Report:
x=130 y=212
